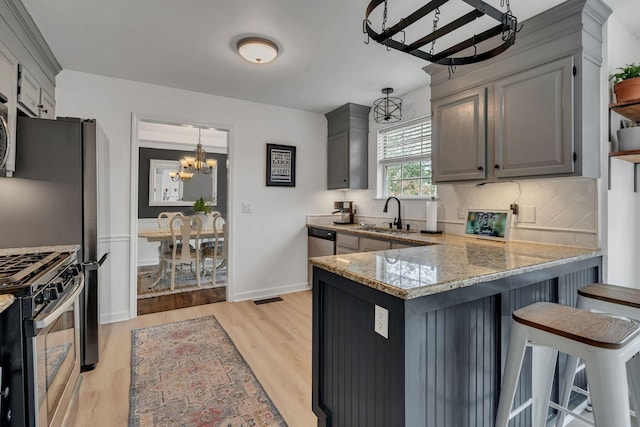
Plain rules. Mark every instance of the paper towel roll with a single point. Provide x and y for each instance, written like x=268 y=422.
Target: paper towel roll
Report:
x=432 y=215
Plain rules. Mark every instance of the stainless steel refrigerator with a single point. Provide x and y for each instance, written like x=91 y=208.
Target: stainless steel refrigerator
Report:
x=60 y=195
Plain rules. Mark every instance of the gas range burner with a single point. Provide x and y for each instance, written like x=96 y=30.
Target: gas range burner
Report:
x=22 y=269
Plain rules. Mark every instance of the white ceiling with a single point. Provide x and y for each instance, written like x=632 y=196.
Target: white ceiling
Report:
x=190 y=44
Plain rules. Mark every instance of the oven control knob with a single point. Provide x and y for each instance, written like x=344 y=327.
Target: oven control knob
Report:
x=53 y=294
x=60 y=287
x=46 y=295
x=39 y=299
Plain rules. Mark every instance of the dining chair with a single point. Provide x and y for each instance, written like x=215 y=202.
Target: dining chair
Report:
x=165 y=217
x=183 y=229
x=214 y=249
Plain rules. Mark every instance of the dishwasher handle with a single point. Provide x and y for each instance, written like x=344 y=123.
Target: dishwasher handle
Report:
x=322 y=234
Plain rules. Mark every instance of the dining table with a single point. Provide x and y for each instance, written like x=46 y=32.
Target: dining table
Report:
x=164 y=237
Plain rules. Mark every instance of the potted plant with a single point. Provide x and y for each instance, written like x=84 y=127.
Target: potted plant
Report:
x=626 y=83
x=202 y=206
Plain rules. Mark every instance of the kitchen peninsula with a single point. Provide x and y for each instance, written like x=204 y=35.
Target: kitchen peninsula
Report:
x=449 y=310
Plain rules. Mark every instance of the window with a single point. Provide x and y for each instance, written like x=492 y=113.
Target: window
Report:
x=404 y=157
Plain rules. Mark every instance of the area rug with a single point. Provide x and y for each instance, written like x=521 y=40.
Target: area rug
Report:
x=185 y=282
x=190 y=373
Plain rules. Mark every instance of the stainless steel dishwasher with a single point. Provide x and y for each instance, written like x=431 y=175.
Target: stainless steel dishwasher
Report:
x=320 y=243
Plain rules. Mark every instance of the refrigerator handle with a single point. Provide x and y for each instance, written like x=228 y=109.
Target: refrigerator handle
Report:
x=94 y=265
x=104 y=258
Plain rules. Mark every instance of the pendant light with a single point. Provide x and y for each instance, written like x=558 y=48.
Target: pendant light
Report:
x=196 y=164
x=387 y=109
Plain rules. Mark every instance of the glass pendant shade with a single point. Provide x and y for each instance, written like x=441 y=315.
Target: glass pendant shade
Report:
x=257 y=50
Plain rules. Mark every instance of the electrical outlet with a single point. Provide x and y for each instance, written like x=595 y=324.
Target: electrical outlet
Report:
x=461 y=212
x=247 y=208
x=528 y=214
x=381 y=321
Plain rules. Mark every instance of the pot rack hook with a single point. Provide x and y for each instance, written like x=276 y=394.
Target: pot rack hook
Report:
x=452 y=70
x=364 y=29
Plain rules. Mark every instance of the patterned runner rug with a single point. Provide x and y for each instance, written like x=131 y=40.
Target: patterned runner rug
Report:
x=190 y=373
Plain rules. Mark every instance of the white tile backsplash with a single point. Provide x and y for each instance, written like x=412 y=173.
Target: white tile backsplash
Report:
x=566 y=208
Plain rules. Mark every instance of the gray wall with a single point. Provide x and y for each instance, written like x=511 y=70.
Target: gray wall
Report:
x=146 y=154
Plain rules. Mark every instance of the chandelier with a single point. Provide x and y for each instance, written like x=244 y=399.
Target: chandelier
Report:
x=506 y=30
x=387 y=109
x=196 y=164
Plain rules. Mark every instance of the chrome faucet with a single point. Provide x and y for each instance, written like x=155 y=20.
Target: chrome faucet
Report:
x=398 y=222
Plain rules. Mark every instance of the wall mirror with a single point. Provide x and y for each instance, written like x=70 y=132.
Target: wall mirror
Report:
x=163 y=191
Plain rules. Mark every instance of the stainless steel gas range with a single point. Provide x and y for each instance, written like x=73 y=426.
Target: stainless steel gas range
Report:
x=40 y=335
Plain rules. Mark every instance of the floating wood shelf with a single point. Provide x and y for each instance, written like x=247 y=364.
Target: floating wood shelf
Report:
x=628 y=109
x=628 y=156
x=631 y=111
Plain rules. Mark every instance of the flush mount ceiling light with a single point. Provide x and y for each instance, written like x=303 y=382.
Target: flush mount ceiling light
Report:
x=257 y=50
x=387 y=109
x=196 y=164
x=506 y=30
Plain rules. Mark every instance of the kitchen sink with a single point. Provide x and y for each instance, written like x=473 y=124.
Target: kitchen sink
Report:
x=387 y=230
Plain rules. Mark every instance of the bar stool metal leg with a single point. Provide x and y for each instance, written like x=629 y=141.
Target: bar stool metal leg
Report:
x=544 y=362
x=515 y=355
x=608 y=384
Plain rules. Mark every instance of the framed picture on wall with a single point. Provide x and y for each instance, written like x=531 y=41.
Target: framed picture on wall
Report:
x=281 y=165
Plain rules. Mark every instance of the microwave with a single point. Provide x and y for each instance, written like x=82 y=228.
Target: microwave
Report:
x=5 y=138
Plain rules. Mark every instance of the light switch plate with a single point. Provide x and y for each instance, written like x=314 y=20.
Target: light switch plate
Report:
x=247 y=208
x=381 y=321
x=461 y=212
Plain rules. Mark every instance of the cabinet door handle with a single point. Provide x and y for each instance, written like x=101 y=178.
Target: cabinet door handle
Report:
x=480 y=168
x=497 y=166
x=40 y=106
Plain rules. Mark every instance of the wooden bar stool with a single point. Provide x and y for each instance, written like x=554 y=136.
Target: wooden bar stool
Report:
x=617 y=301
x=603 y=342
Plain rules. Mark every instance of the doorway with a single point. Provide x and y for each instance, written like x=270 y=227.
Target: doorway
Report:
x=164 y=150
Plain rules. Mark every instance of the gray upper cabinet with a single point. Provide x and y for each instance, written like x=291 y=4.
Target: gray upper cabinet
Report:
x=534 y=121
x=347 y=147
x=532 y=111
x=338 y=161
x=459 y=130
x=28 y=92
x=32 y=97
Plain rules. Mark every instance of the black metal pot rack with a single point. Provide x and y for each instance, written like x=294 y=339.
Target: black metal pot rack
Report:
x=508 y=28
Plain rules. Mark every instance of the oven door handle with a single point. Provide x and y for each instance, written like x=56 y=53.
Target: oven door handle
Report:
x=62 y=306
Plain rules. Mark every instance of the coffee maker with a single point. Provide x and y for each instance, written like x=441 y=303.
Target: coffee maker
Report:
x=347 y=211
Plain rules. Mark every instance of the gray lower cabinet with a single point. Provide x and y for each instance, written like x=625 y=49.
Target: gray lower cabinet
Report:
x=347 y=244
x=370 y=245
x=459 y=137
x=442 y=363
x=534 y=121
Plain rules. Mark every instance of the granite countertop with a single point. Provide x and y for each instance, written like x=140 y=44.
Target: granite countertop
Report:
x=39 y=249
x=6 y=301
x=448 y=262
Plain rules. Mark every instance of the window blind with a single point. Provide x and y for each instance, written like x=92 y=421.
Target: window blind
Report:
x=409 y=141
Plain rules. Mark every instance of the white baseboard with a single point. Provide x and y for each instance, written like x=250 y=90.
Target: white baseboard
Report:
x=271 y=292
x=118 y=316
x=148 y=261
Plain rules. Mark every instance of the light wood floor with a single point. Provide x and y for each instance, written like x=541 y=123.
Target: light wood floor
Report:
x=274 y=339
